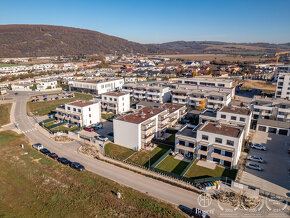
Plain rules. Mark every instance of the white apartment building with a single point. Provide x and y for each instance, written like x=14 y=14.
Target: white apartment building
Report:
x=97 y=87
x=271 y=108
x=115 y=102
x=217 y=142
x=197 y=98
x=207 y=81
x=81 y=113
x=283 y=86
x=45 y=84
x=21 y=87
x=281 y=69
x=148 y=93
x=136 y=130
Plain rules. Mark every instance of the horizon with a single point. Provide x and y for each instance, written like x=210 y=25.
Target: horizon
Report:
x=163 y=21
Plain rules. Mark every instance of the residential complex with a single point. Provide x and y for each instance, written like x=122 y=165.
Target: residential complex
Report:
x=81 y=113
x=115 y=102
x=46 y=84
x=283 y=86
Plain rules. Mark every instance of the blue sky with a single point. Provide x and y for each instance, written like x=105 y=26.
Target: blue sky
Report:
x=161 y=20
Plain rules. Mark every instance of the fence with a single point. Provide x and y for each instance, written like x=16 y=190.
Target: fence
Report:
x=46 y=121
x=56 y=125
x=160 y=159
x=188 y=166
x=159 y=141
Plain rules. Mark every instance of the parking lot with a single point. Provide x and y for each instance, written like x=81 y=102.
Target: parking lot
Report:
x=51 y=97
x=275 y=176
x=107 y=128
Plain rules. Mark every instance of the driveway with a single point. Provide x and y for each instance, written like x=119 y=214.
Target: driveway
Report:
x=274 y=177
x=107 y=128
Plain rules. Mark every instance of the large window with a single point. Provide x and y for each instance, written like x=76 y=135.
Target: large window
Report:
x=217 y=151
x=233 y=118
x=191 y=145
x=223 y=116
x=203 y=148
x=182 y=142
x=204 y=137
x=262 y=128
x=228 y=154
x=216 y=160
x=242 y=119
x=230 y=142
x=218 y=140
x=227 y=163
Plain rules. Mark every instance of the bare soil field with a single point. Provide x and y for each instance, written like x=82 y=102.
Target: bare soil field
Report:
x=256 y=84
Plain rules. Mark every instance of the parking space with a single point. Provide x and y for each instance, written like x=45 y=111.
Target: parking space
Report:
x=275 y=176
x=51 y=97
x=107 y=129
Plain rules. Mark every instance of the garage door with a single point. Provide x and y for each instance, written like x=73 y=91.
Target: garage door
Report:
x=272 y=130
x=283 y=131
x=262 y=128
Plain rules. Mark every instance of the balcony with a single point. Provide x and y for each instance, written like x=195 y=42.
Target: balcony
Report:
x=222 y=157
x=202 y=152
x=147 y=138
x=60 y=109
x=185 y=148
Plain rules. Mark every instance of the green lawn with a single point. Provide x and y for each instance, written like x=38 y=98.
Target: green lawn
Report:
x=142 y=157
x=33 y=185
x=5 y=113
x=172 y=165
x=45 y=107
x=197 y=172
x=50 y=123
x=64 y=128
x=107 y=116
x=8 y=65
x=117 y=151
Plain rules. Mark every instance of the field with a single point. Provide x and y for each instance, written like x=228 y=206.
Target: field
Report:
x=32 y=185
x=257 y=84
x=8 y=65
x=45 y=107
x=172 y=165
x=5 y=113
x=142 y=157
x=117 y=151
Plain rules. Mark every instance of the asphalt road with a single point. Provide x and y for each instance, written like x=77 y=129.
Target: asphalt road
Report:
x=155 y=188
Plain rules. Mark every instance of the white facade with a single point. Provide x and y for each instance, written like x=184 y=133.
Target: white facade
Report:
x=21 y=87
x=207 y=81
x=283 y=86
x=42 y=85
x=116 y=102
x=281 y=69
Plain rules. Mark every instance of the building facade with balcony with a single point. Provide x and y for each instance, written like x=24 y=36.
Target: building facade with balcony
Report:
x=136 y=130
x=175 y=112
x=215 y=142
x=81 y=113
x=115 y=102
x=283 y=86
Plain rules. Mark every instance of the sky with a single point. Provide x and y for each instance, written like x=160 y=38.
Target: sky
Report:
x=158 y=21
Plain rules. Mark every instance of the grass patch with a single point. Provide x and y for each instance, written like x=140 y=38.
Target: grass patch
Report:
x=45 y=107
x=8 y=65
x=5 y=110
x=117 y=151
x=197 y=172
x=107 y=116
x=142 y=157
x=64 y=128
x=172 y=165
x=33 y=185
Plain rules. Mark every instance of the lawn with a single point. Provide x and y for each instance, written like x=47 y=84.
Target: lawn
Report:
x=198 y=172
x=117 y=151
x=172 y=165
x=60 y=128
x=107 y=116
x=33 y=185
x=142 y=157
x=8 y=65
x=5 y=113
x=45 y=107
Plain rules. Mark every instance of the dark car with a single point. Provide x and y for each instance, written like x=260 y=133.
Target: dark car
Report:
x=64 y=161
x=77 y=166
x=53 y=156
x=45 y=151
x=16 y=93
x=56 y=98
x=45 y=99
x=33 y=100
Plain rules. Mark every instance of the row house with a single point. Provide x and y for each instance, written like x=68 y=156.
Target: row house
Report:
x=115 y=102
x=216 y=142
x=81 y=113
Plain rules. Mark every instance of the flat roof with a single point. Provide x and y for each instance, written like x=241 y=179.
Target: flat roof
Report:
x=208 y=113
x=221 y=129
x=81 y=103
x=274 y=123
x=141 y=115
x=210 y=79
x=115 y=94
x=235 y=110
x=149 y=104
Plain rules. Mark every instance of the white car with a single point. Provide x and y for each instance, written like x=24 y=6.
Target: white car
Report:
x=256 y=158
x=258 y=146
x=37 y=146
x=254 y=166
x=99 y=126
x=102 y=138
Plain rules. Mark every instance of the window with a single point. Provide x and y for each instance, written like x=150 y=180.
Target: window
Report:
x=218 y=140
x=242 y=119
x=231 y=143
x=89 y=115
x=216 y=160
x=233 y=118
x=205 y=137
x=223 y=116
x=203 y=148
x=68 y=108
x=262 y=128
x=217 y=151
x=191 y=145
x=74 y=109
x=89 y=109
x=105 y=98
x=228 y=154
x=111 y=99
x=182 y=142
x=115 y=99
x=79 y=110
x=227 y=163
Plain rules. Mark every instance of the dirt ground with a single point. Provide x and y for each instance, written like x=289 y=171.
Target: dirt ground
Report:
x=256 y=84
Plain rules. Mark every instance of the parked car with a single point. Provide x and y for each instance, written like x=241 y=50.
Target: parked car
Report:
x=254 y=166
x=37 y=99
x=64 y=161
x=16 y=93
x=77 y=166
x=70 y=96
x=256 y=158
x=102 y=138
x=259 y=147
x=198 y=213
x=44 y=99
x=89 y=129
x=53 y=156
x=98 y=126
x=45 y=151
x=37 y=146
x=33 y=100
x=56 y=98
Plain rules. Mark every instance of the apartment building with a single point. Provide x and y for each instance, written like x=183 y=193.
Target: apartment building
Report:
x=21 y=86
x=198 y=98
x=81 y=113
x=97 y=87
x=136 y=130
x=217 y=142
x=115 y=102
x=46 y=84
x=148 y=93
x=271 y=108
x=281 y=69
x=207 y=81
x=283 y=86
x=175 y=112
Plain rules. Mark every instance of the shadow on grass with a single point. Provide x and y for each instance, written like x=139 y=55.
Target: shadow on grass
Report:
x=230 y=173
x=180 y=167
x=201 y=177
x=157 y=155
